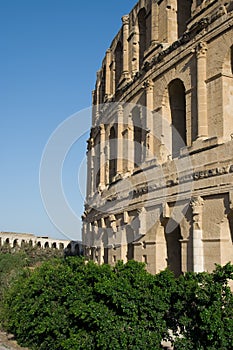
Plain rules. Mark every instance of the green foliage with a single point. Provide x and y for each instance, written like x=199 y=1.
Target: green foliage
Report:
x=201 y=312
x=70 y=304
x=14 y=260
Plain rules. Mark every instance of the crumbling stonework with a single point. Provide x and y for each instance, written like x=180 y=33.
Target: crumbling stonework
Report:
x=14 y=239
x=160 y=152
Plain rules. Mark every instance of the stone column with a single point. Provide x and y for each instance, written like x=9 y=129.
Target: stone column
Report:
x=135 y=51
x=125 y=21
x=102 y=157
x=130 y=132
x=154 y=22
x=88 y=184
x=198 y=254
x=90 y=161
x=108 y=73
x=201 y=53
x=149 y=86
x=98 y=80
x=120 y=128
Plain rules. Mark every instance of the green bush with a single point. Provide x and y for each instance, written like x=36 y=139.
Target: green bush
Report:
x=73 y=305
x=201 y=310
x=70 y=304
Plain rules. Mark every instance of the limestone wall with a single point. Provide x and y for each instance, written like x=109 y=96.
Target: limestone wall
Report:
x=19 y=239
x=160 y=152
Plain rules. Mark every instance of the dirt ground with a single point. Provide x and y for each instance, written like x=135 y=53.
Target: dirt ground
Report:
x=7 y=342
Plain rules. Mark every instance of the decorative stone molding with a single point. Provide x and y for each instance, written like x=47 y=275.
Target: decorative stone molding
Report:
x=197 y=205
x=125 y=20
x=201 y=49
x=148 y=85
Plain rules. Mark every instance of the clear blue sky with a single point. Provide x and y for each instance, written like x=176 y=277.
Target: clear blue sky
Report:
x=50 y=52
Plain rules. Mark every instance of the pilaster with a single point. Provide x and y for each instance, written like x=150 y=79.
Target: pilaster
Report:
x=125 y=22
x=201 y=54
x=198 y=254
x=102 y=157
x=149 y=87
x=108 y=73
x=120 y=129
x=154 y=22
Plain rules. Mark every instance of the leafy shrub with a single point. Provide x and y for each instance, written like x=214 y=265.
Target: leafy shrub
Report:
x=201 y=311
x=69 y=304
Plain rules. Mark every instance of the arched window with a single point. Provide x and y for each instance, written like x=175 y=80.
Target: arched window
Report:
x=177 y=101
x=112 y=154
x=102 y=85
x=142 y=35
x=174 y=251
x=97 y=160
x=137 y=130
x=118 y=63
x=183 y=15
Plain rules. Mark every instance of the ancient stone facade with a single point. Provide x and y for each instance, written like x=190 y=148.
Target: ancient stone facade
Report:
x=160 y=152
x=14 y=239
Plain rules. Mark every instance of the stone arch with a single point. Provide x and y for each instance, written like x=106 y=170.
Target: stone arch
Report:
x=97 y=161
x=102 y=87
x=118 y=54
x=130 y=240
x=46 y=245
x=15 y=243
x=7 y=241
x=38 y=244
x=142 y=34
x=61 y=246
x=183 y=14
x=172 y=254
x=77 y=249
x=137 y=135
x=0 y=241
x=54 y=245
x=23 y=243
x=174 y=111
x=112 y=153
x=177 y=100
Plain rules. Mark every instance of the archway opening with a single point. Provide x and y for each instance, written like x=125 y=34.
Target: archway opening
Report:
x=137 y=137
x=142 y=35
x=118 y=63
x=183 y=15
x=177 y=101
x=113 y=154
x=173 y=246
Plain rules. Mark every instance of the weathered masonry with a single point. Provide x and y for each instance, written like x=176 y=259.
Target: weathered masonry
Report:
x=160 y=152
x=14 y=239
